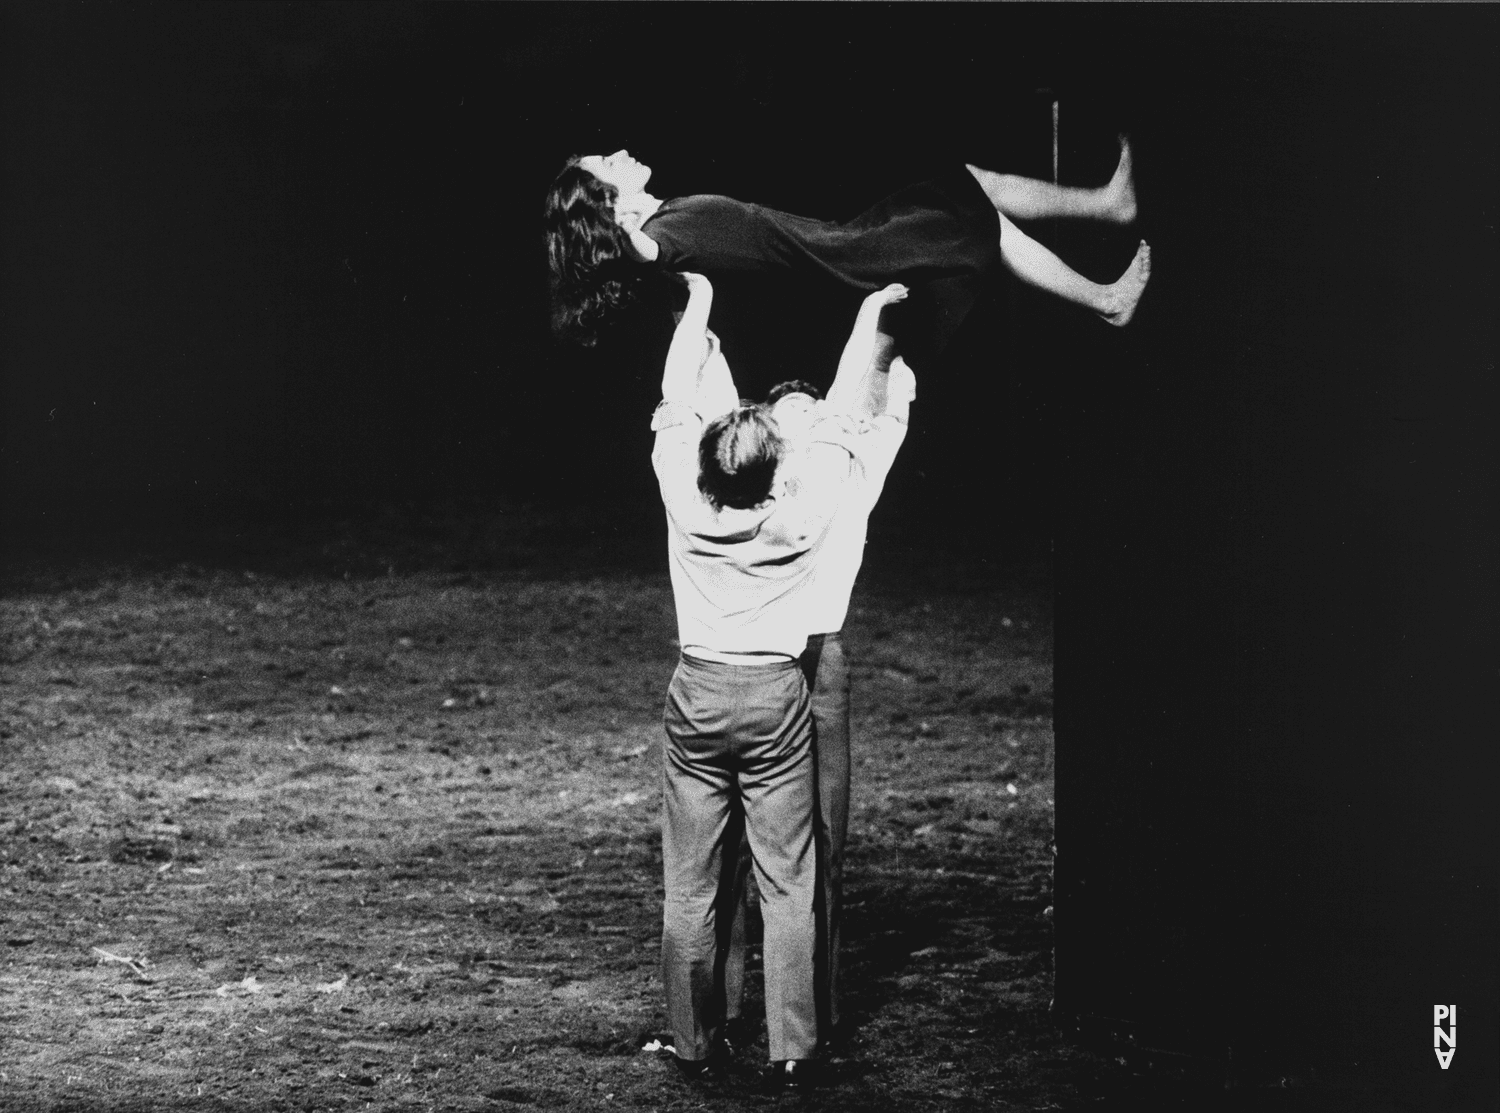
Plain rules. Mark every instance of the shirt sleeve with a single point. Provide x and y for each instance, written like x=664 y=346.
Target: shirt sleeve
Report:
x=878 y=445
x=672 y=415
x=871 y=445
x=716 y=391
x=675 y=454
x=900 y=391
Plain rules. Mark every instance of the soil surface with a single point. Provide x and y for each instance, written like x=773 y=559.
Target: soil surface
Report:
x=351 y=823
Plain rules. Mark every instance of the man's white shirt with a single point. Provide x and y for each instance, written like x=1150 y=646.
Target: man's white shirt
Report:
x=738 y=576
x=751 y=585
x=843 y=549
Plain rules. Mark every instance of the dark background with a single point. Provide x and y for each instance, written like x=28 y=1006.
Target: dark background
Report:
x=262 y=263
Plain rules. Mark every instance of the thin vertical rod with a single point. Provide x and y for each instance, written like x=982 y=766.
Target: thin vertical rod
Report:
x=1054 y=143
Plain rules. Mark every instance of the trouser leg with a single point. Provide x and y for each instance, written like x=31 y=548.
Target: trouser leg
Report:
x=737 y=911
x=733 y=910
x=697 y=817
x=828 y=675
x=827 y=671
x=777 y=784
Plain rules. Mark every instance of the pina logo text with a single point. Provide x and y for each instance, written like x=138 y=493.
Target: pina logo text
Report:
x=1441 y=1013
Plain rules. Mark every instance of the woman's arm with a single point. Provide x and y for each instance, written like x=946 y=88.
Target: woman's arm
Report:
x=864 y=340
x=690 y=344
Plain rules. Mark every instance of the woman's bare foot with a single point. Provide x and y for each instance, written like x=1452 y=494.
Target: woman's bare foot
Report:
x=1124 y=294
x=1119 y=194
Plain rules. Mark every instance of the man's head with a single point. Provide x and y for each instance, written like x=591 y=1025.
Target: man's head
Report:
x=792 y=405
x=737 y=458
x=793 y=386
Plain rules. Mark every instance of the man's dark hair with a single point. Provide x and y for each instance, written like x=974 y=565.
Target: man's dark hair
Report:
x=792 y=386
x=737 y=458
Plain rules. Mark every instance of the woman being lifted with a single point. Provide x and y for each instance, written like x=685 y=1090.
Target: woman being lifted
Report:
x=939 y=237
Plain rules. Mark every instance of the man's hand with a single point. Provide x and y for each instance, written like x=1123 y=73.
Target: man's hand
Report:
x=881 y=298
x=630 y=219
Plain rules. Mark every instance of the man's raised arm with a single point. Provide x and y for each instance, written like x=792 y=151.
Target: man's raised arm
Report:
x=690 y=346
x=716 y=390
x=858 y=386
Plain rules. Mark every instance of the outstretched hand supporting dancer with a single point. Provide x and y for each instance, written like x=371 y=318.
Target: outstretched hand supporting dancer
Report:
x=859 y=384
x=689 y=374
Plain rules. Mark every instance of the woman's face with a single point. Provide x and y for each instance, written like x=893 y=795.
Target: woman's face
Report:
x=619 y=170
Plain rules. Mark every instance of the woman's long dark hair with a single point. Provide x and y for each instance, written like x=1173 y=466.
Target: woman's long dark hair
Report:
x=593 y=272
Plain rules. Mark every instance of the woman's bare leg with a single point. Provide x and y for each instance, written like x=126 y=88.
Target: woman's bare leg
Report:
x=1030 y=199
x=1034 y=264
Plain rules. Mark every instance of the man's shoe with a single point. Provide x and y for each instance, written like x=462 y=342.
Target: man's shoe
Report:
x=794 y=1074
x=713 y=1066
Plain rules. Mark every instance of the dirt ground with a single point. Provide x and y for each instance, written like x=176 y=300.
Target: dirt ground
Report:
x=353 y=823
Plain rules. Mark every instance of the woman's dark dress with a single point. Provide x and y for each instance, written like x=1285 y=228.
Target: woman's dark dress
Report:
x=940 y=237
